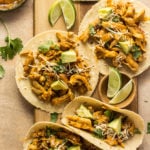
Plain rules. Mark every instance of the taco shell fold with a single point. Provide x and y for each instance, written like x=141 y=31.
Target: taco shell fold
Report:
x=131 y=144
x=24 y=84
x=93 y=15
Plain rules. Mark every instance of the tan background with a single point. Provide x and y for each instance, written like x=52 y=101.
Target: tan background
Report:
x=17 y=115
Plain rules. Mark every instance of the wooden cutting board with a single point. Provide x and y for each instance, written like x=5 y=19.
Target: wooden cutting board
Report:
x=41 y=8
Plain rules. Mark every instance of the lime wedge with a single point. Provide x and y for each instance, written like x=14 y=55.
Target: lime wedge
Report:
x=123 y=93
x=114 y=82
x=59 y=85
x=54 y=12
x=69 y=12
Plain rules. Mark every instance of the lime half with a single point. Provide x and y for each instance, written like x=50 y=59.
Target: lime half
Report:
x=123 y=93
x=54 y=12
x=114 y=82
x=69 y=12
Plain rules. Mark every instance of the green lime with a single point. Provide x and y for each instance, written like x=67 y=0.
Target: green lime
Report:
x=59 y=85
x=114 y=82
x=69 y=12
x=54 y=12
x=123 y=93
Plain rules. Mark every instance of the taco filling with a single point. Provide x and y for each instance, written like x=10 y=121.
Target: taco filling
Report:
x=48 y=138
x=112 y=127
x=117 y=35
x=56 y=71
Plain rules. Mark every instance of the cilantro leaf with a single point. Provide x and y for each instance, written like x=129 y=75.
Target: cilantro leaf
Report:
x=137 y=131
x=54 y=117
x=98 y=133
x=13 y=46
x=136 y=52
x=49 y=132
x=2 y=71
x=92 y=30
x=148 y=128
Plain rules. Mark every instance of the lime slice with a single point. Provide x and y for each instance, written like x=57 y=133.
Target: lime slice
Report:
x=54 y=12
x=114 y=82
x=59 y=85
x=123 y=93
x=69 y=12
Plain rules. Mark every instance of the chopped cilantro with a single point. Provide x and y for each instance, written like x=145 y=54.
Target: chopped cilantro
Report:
x=148 y=128
x=49 y=132
x=59 y=68
x=54 y=117
x=92 y=30
x=116 y=19
x=136 y=52
x=137 y=131
x=98 y=133
x=109 y=114
x=2 y=71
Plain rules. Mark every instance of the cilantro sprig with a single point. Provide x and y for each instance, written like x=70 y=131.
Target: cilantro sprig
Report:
x=12 y=47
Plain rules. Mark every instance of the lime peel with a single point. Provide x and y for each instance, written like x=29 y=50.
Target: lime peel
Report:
x=54 y=12
x=69 y=13
x=123 y=93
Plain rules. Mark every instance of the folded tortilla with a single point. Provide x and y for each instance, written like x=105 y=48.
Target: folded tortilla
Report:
x=131 y=144
x=64 y=134
x=24 y=84
x=92 y=15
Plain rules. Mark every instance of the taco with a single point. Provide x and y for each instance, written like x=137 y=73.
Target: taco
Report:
x=53 y=136
x=117 y=31
x=106 y=126
x=53 y=68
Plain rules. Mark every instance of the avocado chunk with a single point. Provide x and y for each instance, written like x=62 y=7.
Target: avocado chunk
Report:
x=125 y=46
x=82 y=111
x=104 y=12
x=68 y=56
x=116 y=124
x=59 y=85
x=74 y=148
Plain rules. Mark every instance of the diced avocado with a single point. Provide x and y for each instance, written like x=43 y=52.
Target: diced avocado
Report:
x=104 y=12
x=125 y=46
x=82 y=111
x=68 y=56
x=116 y=124
x=59 y=85
x=74 y=148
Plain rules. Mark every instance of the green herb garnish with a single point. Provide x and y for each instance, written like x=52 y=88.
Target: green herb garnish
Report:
x=2 y=71
x=12 y=47
x=136 y=52
x=92 y=30
x=137 y=131
x=49 y=132
x=98 y=133
x=54 y=117
x=59 y=68
x=116 y=19
x=109 y=114
x=148 y=128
